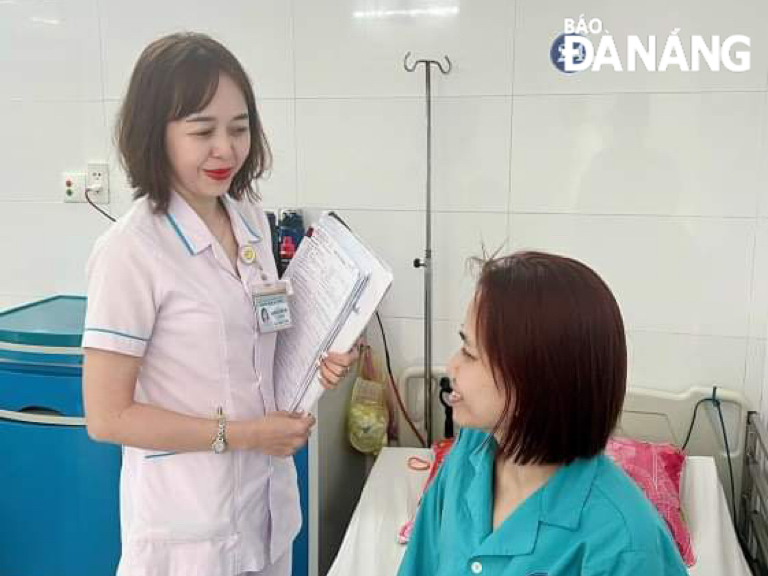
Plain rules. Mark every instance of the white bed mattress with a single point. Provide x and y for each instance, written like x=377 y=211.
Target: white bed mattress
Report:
x=392 y=492
x=706 y=515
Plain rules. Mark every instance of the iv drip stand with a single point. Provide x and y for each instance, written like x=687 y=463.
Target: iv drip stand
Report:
x=426 y=263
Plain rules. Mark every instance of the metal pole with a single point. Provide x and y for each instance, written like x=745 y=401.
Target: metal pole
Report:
x=428 y=271
x=426 y=263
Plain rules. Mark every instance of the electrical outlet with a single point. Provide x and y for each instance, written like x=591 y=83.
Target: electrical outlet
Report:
x=73 y=186
x=97 y=181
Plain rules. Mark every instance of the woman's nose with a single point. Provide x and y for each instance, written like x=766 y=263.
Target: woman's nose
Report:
x=222 y=146
x=452 y=365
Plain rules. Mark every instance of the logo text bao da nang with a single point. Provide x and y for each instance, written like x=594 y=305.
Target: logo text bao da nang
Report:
x=574 y=51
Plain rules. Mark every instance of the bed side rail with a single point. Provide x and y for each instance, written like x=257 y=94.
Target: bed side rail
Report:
x=753 y=524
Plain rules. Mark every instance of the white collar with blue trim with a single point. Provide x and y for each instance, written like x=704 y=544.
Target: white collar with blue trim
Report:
x=193 y=232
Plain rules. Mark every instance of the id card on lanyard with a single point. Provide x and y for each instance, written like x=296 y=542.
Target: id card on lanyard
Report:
x=270 y=304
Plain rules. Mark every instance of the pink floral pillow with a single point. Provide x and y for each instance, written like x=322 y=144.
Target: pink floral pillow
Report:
x=656 y=468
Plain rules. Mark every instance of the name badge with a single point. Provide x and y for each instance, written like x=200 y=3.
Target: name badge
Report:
x=270 y=304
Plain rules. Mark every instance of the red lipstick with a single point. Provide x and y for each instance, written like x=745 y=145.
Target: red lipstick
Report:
x=219 y=174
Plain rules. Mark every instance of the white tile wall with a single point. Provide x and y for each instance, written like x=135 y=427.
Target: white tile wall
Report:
x=49 y=51
x=676 y=362
x=355 y=48
x=376 y=159
x=669 y=274
x=755 y=371
x=759 y=302
x=658 y=180
x=471 y=147
x=44 y=247
x=457 y=238
x=8 y=301
x=259 y=33
x=279 y=187
x=406 y=340
x=43 y=139
x=360 y=153
x=658 y=154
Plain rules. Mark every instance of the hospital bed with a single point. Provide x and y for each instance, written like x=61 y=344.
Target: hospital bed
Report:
x=391 y=494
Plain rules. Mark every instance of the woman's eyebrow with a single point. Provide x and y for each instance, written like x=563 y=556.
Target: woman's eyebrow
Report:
x=243 y=116
x=201 y=119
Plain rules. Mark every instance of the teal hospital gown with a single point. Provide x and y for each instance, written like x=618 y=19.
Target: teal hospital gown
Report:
x=589 y=519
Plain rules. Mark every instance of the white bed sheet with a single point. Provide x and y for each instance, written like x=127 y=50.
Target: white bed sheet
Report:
x=391 y=495
x=706 y=514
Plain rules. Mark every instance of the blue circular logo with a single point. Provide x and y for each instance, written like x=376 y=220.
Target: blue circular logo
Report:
x=558 y=57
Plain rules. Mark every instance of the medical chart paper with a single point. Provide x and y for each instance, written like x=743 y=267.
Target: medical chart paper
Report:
x=337 y=285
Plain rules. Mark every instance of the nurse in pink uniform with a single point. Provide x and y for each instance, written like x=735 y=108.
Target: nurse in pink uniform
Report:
x=178 y=369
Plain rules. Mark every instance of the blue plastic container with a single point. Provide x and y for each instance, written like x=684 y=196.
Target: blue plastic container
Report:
x=59 y=490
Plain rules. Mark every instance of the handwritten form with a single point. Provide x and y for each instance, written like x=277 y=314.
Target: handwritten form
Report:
x=337 y=284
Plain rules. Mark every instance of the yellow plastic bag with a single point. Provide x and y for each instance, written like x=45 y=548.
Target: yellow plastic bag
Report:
x=368 y=418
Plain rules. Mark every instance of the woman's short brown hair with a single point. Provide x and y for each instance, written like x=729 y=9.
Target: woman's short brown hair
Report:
x=553 y=335
x=176 y=76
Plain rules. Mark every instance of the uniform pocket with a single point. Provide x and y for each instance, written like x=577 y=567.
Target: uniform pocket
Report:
x=184 y=496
